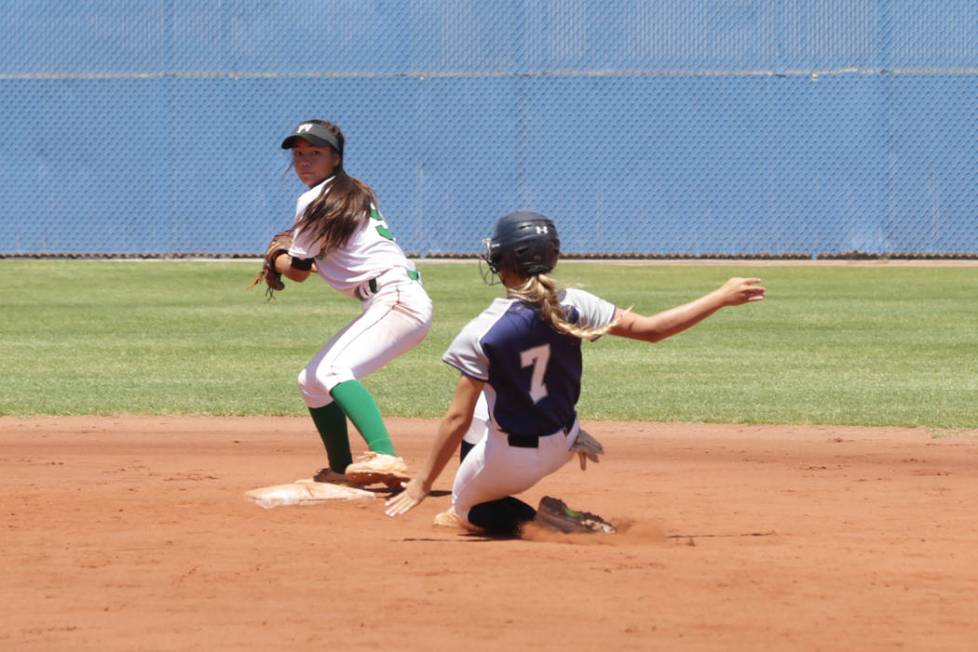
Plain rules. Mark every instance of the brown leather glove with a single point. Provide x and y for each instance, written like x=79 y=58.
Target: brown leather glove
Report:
x=279 y=245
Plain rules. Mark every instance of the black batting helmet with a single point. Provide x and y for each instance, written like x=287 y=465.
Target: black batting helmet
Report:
x=523 y=242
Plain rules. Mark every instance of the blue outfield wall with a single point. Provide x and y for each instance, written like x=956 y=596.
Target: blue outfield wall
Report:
x=809 y=127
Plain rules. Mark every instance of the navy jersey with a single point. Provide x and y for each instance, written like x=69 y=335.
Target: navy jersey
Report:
x=532 y=371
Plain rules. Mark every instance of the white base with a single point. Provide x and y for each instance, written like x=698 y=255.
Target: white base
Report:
x=305 y=492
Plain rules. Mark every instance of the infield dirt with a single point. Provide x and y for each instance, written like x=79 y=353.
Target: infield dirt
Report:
x=133 y=533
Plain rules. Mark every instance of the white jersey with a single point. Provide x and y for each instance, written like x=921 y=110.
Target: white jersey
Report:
x=367 y=254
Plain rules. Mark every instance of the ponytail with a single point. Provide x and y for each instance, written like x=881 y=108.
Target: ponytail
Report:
x=542 y=293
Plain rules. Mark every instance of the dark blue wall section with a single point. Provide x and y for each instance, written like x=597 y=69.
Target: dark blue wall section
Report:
x=809 y=127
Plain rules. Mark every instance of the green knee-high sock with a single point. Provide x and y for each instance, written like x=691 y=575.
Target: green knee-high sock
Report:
x=362 y=409
x=330 y=421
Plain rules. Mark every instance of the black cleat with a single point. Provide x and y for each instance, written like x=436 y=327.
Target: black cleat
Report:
x=553 y=513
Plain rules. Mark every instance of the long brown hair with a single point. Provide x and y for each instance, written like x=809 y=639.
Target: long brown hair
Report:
x=343 y=206
x=542 y=293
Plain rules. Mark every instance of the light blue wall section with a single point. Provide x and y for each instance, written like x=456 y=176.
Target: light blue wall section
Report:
x=688 y=127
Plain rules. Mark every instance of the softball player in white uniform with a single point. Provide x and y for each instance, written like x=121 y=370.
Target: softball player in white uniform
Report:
x=524 y=353
x=339 y=231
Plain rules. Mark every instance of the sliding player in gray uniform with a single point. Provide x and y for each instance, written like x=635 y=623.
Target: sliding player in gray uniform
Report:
x=524 y=353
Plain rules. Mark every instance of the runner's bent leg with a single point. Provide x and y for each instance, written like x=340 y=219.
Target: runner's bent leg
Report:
x=493 y=472
x=503 y=517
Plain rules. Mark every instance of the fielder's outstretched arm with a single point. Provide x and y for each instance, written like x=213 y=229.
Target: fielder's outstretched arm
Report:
x=667 y=323
x=450 y=432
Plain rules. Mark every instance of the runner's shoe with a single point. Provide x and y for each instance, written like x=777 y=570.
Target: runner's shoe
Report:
x=553 y=513
x=450 y=519
x=372 y=468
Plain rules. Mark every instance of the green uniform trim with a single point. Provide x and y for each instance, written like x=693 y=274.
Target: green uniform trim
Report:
x=381 y=228
x=360 y=406
x=330 y=421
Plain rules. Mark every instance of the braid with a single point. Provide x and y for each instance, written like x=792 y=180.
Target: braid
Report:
x=542 y=292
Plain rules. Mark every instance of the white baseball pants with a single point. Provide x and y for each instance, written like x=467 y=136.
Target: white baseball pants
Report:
x=494 y=469
x=394 y=320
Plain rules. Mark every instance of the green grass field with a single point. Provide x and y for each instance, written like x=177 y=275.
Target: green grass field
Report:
x=831 y=345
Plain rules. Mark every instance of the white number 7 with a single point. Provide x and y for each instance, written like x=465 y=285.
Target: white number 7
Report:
x=538 y=357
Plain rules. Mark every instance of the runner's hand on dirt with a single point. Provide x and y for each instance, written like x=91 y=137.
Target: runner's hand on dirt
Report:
x=414 y=492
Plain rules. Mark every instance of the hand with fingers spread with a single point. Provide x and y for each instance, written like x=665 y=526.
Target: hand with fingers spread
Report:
x=414 y=492
x=587 y=448
x=737 y=291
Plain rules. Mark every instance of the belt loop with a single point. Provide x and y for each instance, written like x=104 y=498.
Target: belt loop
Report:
x=368 y=289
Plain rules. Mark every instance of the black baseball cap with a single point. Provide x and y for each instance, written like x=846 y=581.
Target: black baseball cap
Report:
x=314 y=134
